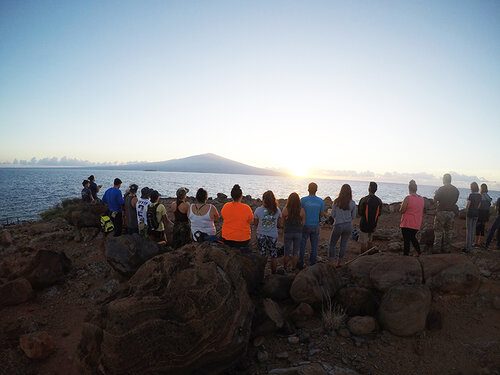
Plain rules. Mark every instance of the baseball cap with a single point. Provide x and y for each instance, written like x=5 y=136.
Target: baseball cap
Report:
x=182 y=191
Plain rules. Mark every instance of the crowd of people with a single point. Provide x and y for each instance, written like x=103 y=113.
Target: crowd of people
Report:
x=300 y=219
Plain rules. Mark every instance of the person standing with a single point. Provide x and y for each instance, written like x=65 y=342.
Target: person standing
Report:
x=314 y=208
x=267 y=218
x=94 y=188
x=158 y=221
x=483 y=215
x=445 y=198
x=473 y=203
x=113 y=198
x=203 y=216
x=343 y=213
x=369 y=210
x=141 y=208
x=412 y=213
x=86 y=193
x=182 y=229
x=294 y=217
x=237 y=218
x=495 y=227
x=131 y=209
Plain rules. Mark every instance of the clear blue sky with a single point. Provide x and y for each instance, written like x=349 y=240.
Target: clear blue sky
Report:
x=404 y=86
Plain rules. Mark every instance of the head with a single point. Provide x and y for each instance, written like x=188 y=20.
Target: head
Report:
x=412 y=187
x=181 y=193
x=236 y=193
x=312 y=188
x=145 y=192
x=344 y=198
x=86 y=183
x=91 y=178
x=201 y=195
x=372 y=188
x=484 y=188
x=293 y=206
x=117 y=183
x=447 y=179
x=154 y=196
x=269 y=201
x=133 y=189
x=474 y=187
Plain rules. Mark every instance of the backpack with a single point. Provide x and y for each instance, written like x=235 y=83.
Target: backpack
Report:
x=153 y=222
x=106 y=224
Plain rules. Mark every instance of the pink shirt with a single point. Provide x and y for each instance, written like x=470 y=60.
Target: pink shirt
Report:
x=412 y=217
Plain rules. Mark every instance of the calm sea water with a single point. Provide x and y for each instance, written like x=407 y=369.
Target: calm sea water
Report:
x=25 y=192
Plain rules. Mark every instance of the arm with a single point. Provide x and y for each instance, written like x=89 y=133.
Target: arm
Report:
x=214 y=214
x=133 y=202
x=280 y=220
x=353 y=211
x=303 y=216
x=404 y=205
x=361 y=207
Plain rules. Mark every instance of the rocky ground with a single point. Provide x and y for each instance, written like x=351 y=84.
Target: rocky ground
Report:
x=388 y=314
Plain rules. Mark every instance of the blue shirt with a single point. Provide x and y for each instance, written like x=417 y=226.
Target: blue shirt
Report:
x=114 y=199
x=313 y=206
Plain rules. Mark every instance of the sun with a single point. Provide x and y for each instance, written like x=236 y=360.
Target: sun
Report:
x=299 y=170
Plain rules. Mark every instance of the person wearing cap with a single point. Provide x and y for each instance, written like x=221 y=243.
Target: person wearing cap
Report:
x=86 y=193
x=369 y=210
x=130 y=209
x=141 y=209
x=94 y=188
x=113 y=198
x=182 y=229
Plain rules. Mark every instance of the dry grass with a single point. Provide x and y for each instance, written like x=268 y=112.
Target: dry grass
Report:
x=333 y=315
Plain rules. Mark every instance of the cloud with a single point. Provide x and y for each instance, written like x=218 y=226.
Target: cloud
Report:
x=58 y=162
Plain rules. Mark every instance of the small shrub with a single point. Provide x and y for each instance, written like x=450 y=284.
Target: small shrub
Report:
x=333 y=315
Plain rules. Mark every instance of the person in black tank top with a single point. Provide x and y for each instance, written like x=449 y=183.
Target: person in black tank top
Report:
x=182 y=228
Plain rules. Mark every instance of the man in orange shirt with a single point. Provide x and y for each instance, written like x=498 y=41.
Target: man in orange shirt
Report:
x=237 y=216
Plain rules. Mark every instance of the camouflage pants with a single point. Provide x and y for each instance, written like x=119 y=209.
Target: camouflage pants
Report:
x=443 y=231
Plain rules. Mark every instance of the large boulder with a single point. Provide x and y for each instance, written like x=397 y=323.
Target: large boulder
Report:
x=277 y=286
x=47 y=268
x=315 y=284
x=125 y=254
x=404 y=308
x=450 y=274
x=395 y=270
x=15 y=292
x=362 y=325
x=360 y=268
x=186 y=311
x=37 y=345
x=357 y=301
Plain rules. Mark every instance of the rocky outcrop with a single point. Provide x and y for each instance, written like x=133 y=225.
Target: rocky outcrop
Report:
x=84 y=215
x=451 y=274
x=5 y=238
x=184 y=311
x=125 y=254
x=15 y=292
x=313 y=284
x=403 y=310
x=47 y=268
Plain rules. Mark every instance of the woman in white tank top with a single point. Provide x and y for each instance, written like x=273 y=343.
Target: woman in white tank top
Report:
x=202 y=215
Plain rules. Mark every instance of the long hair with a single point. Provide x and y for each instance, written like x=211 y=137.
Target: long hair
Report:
x=293 y=207
x=344 y=198
x=270 y=202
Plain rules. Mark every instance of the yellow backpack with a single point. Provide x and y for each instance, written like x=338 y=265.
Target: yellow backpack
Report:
x=106 y=224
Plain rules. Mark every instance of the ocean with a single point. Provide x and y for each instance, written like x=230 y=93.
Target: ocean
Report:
x=25 y=192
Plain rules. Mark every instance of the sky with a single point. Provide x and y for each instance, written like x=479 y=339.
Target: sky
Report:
x=396 y=88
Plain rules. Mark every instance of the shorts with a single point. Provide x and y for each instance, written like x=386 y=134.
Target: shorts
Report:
x=267 y=246
x=365 y=237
